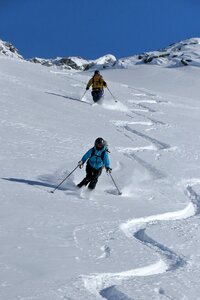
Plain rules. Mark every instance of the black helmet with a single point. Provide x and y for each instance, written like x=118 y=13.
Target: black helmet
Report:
x=96 y=72
x=99 y=143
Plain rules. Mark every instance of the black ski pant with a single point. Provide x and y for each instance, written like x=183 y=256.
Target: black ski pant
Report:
x=97 y=94
x=92 y=176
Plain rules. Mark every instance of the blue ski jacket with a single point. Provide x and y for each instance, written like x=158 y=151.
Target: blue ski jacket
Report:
x=95 y=160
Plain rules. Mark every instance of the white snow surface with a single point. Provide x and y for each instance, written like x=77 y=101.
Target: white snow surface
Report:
x=77 y=245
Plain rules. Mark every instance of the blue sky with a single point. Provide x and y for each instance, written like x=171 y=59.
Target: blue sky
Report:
x=92 y=28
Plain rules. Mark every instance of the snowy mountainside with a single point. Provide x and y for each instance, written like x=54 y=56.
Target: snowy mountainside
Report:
x=183 y=53
x=179 y=54
x=78 y=63
x=68 y=63
x=76 y=245
x=7 y=49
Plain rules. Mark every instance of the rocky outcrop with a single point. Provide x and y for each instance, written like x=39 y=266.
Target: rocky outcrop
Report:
x=9 y=50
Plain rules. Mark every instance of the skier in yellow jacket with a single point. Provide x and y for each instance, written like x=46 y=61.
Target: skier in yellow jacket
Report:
x=97 y=82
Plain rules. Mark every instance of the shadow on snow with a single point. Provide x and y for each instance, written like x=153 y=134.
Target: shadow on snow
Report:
x=112 y=293
x=33 y=183
x=68 y=97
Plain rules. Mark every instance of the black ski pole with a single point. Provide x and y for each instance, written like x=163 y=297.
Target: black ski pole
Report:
x=112 y=95
x=63 y=180
x=120 y=193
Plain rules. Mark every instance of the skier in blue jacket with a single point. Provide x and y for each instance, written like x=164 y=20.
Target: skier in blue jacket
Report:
x=97 y=158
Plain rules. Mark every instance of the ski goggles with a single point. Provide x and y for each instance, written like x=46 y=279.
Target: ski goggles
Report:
x=99 y=147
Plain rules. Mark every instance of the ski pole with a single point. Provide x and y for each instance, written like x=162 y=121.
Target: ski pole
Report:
x=63 y=180
x=84 y=94
x=112 y=95
x=120 y=193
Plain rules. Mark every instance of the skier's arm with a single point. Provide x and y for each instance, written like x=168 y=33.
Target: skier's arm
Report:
x=86 y=156
x=106 y=160
x=104 y=84
x=89 y=84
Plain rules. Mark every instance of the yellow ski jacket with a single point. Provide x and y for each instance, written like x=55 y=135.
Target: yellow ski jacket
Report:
x=97 y=83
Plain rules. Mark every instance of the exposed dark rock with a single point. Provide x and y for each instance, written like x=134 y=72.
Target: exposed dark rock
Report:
x=69 y=62
x=184 y=62
x=149 y=58
x=88 y=66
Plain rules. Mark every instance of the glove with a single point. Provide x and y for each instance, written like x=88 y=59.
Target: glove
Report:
x=108 y=170
x=80 y=164
x=87 y=88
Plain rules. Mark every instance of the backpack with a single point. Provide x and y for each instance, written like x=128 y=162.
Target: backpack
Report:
x=97 y=82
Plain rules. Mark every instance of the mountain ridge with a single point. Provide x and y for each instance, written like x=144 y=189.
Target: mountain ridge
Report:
x=182 y=53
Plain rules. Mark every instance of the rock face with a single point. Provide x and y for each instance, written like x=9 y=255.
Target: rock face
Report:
x=9 y=50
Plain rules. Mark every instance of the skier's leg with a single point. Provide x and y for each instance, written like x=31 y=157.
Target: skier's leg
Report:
x=92 y=184
x=87 y=178
x=95 y=96
x=99 y=95
x=94 y=179
x=83 y=182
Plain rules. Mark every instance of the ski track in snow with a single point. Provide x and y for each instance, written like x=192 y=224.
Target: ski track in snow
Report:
x=155 y=173
x=104 y=285
x=143 y=107
x=156 y=122
x=158 y=144
x=155 y=145
x=174 y=261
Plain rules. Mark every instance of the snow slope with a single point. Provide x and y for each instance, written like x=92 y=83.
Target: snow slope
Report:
x=76 y=245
